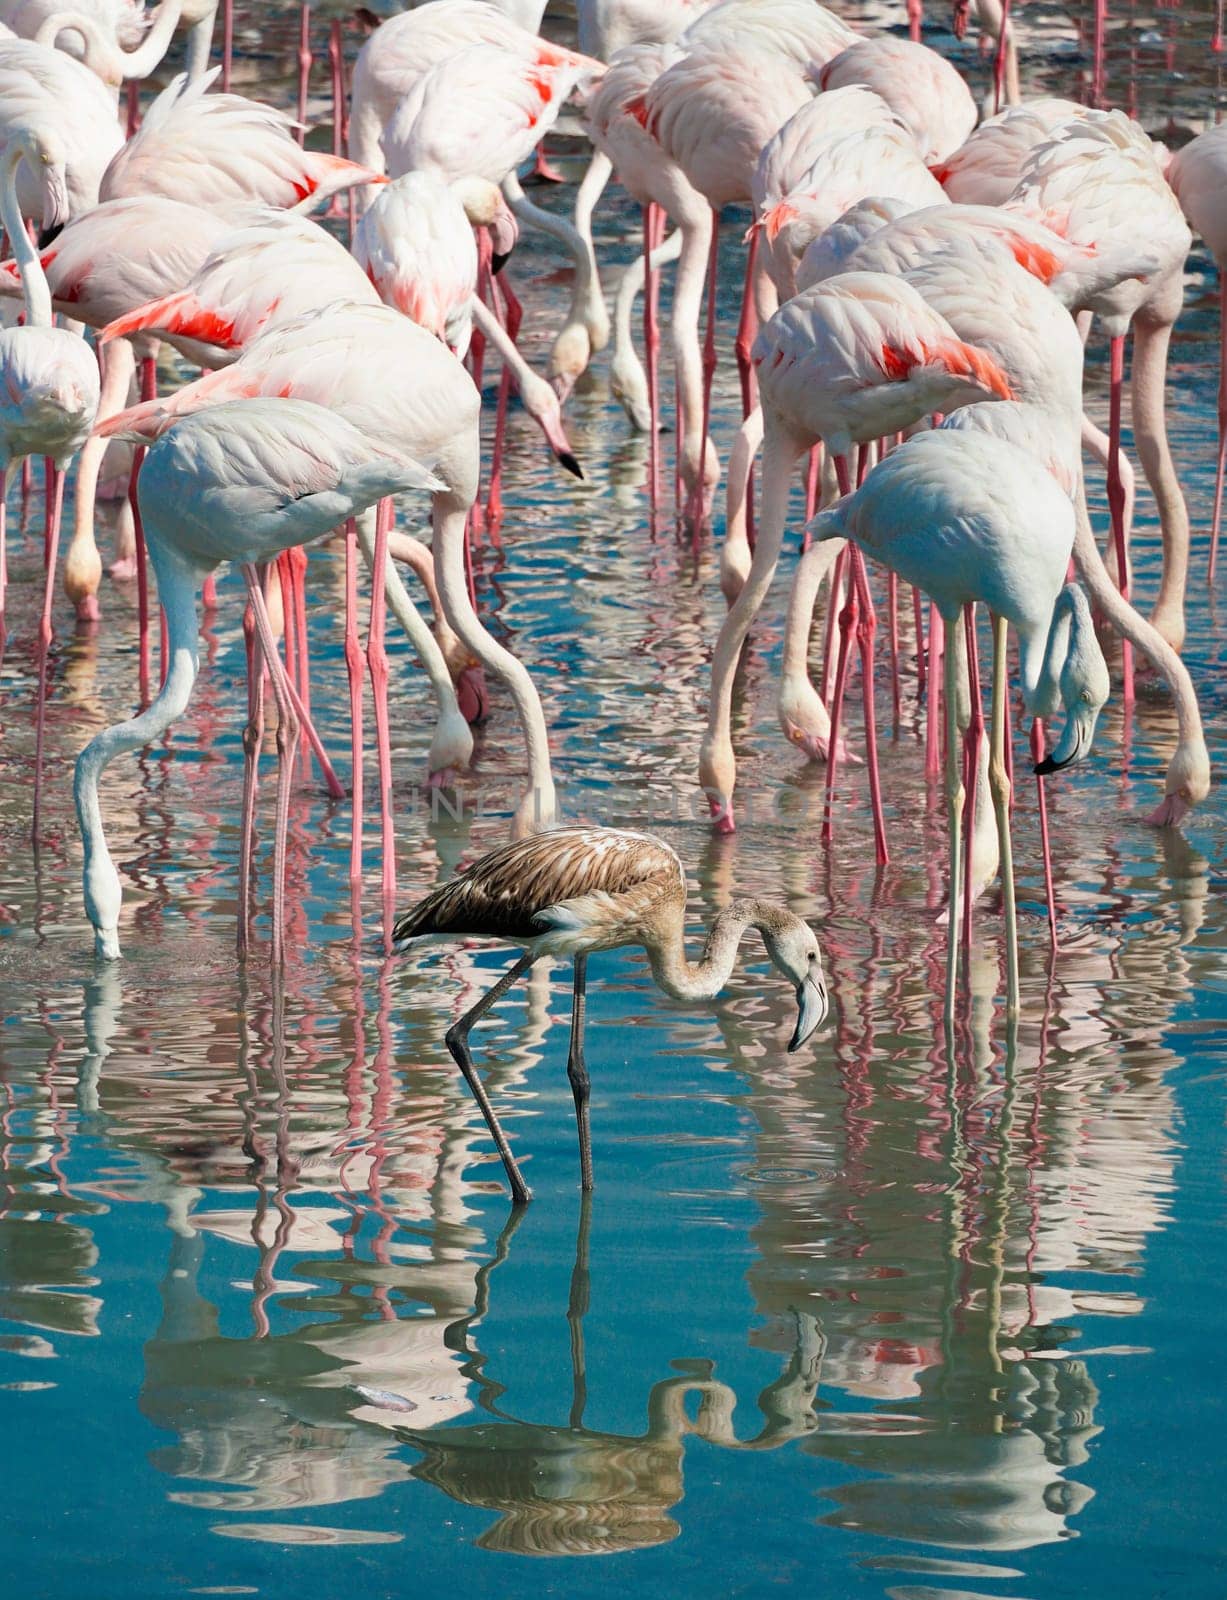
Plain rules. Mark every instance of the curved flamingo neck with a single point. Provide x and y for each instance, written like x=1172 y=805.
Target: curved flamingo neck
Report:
x=34 y=288
x=177 y=582
x=684 y=979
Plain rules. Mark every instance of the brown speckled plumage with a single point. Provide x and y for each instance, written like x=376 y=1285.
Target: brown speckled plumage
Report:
x=510 y=892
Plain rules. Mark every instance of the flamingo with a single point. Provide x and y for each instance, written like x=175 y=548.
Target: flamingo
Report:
x=271 y=268
x=1099 y=178
x=608 y=29
x=50 y=389
x=848 y=361
x=401 y=387
x=105 y=262
x=219 y=150
x=241 y=482
x=45 y=88
x=113 y=38
x=389 y=70
x=416 y=246
x=969 y=519
x=927 y=94
x=711 y=112
x=615 y=122
x=574 y=891
x=968 y=273
x=1198 y=178
x=988 y=164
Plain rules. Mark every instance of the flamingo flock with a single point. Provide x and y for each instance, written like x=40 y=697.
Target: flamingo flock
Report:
x=919 y=279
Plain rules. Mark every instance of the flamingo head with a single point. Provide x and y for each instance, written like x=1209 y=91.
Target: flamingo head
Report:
x=1084 y=683
x=569 y=359
x=793 y=948
x=485 y=208
x=46 y=158
x=1188 y=782
x=472 y=695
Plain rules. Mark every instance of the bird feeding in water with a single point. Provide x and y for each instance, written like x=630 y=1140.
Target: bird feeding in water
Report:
x=573 y=891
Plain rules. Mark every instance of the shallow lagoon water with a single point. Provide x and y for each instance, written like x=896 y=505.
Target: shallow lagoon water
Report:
x=897 y=1316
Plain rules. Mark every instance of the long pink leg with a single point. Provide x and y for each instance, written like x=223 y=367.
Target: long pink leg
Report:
x=892 y=612
x=227 y=42
x=971 y=751
x=747 y=328
x=55 y=490
x=813 y=484
x=709 y=371
x=1116 y=501
x=847 y=623
x=915 y=17
x=651 y=350
x=142 y=580
x=999 y=57
x=302 y=677
x=341 y=204
x=1222 y=421
x=866 y=626
x=377 y=662
x=839 y=577
x=1097 y=73
x=287 y=750
x=253 y=739
x=1038 y=752
x=4 y=557
x=285 y=578
x=918 y=626
x=353 y=666
x=304 y=69
x=134 y=106
x=933 y=704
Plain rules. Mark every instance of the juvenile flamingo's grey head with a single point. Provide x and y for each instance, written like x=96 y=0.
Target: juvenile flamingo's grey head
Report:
x=793 y=948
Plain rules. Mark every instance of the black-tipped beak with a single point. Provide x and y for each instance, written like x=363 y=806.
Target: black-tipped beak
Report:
x=47 y=236
x=1050 y=764
x=570 y=462
x=498 y=262
x=811 y=1012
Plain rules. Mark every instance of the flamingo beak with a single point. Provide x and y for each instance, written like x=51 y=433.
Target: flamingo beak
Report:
x=1171 y=811
x=812 y=1009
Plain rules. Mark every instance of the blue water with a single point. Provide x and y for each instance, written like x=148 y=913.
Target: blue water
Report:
x=891 y=1316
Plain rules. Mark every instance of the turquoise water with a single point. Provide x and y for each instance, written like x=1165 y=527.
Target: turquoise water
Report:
x=895 y=1316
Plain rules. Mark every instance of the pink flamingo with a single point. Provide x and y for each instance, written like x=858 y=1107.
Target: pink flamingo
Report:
x=241 y=482
x=45 y=88
x=263 y=273
x=849 y=361
x=970 y=519
x=927 y=94
x=655 y=181
x=49 y=388
x=988 y=164
x=219 y=150
x=388 y=70
x=400 y=386
x=1099 y=180
x=1198 y=177
x=416 y=246
x=117 y=41
x=711 y=112
x=108 y=260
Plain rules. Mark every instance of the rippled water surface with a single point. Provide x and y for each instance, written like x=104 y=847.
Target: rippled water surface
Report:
x=886 y=1317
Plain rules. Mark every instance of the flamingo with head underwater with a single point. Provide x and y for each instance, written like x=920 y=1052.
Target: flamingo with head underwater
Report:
x=49 y=389
x=971 y=519
x=848 y=361
x=240 y=482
